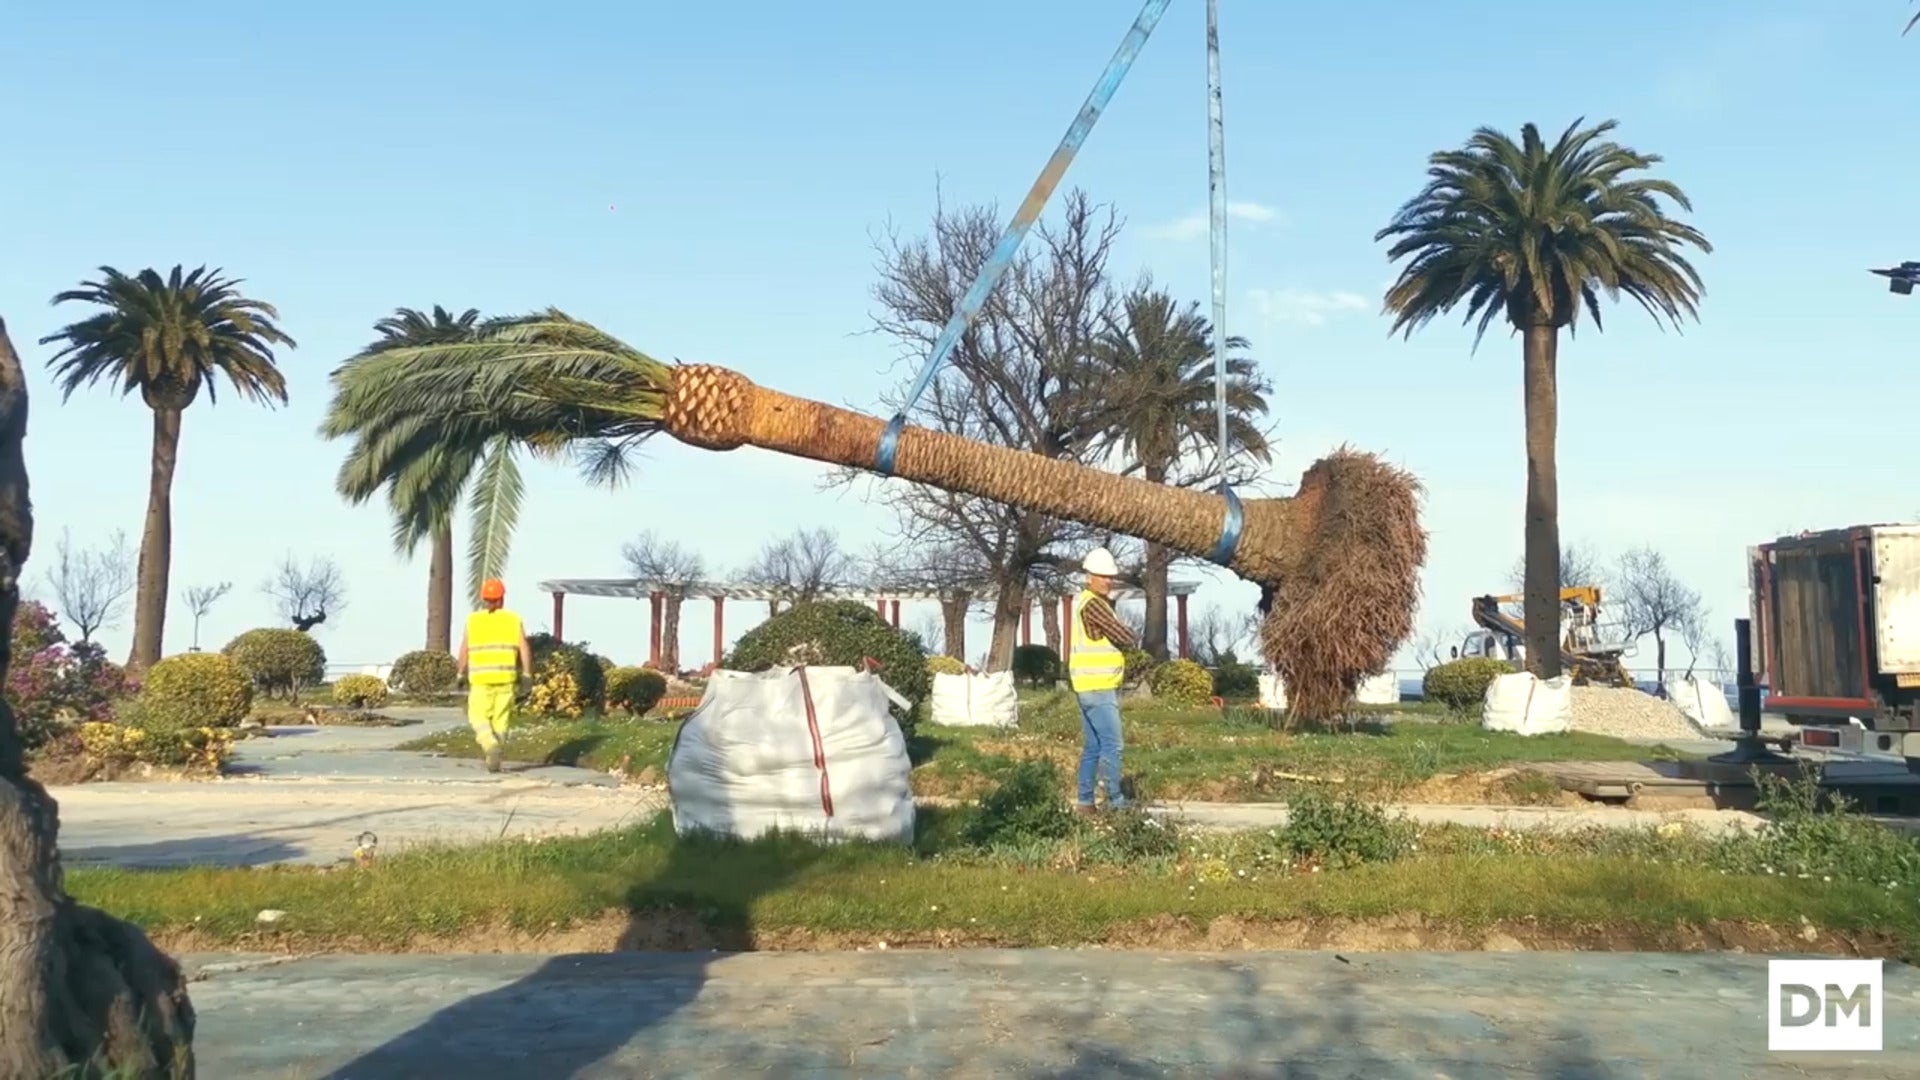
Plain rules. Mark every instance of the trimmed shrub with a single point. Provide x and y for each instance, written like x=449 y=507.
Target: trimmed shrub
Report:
x=201 y=749
x=945 y=665
x=1234 y=681
x=1182 y=682
x=1036 y=665
x=1140 y=665
x=360 y=691
x=424 y=671
x=635 y=690
x=581 y=665
x=838 y=633
x=195 y=690
x=278 y=660
x=1462 y=684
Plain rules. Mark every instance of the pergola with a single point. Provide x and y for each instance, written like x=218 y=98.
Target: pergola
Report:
x=885 y=601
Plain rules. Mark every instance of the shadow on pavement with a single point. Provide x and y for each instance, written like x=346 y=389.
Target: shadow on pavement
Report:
x=236 y=849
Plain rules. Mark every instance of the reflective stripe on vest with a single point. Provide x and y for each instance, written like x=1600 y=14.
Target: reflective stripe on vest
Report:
x=1093 y=664
x=493 y=647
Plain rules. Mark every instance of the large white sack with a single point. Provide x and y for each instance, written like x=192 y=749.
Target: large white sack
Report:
x=1704 y=702
x=1528 y=705
x=976 y=700
x=1273 y=692
x=753 y=757
x=1381 y=689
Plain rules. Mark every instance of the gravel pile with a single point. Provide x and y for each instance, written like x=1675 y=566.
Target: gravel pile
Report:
x=1625 y=713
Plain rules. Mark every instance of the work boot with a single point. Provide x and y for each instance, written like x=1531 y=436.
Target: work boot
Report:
x=1085 y=809
x=493 y=760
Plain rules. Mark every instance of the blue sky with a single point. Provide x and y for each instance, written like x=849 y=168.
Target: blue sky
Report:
x=707 y=181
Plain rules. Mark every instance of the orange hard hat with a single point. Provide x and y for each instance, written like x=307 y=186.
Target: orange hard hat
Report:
x=493 y=589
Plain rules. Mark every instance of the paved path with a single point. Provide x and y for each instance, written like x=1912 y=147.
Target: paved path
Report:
x=1040 y=1013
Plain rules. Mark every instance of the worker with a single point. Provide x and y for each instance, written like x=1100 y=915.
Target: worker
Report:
x=494 y=657
x=1095 y=669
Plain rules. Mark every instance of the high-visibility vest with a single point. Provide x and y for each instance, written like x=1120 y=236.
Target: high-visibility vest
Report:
x=1093 y=663
x=493 y=647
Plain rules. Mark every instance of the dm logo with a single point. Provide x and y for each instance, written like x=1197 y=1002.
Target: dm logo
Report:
x=1823 y=1005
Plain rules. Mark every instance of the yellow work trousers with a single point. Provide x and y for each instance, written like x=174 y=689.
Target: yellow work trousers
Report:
x=489 y=711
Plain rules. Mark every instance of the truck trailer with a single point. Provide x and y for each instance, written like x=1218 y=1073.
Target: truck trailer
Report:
x=1836 y=641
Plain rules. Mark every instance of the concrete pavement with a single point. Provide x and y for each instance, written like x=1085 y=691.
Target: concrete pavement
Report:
x=1035 y=1013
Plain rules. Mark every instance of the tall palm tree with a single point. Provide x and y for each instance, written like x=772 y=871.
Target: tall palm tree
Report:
x=1534 y=234
x=1348 y=547
x=424 y=500
x=1152 y=368
x=167 y=337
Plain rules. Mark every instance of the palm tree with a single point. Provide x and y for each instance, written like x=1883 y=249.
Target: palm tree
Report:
x=424 y=500
x=167 y=338
x=1348 y=547
x=1535 y=233
x=1153 y=373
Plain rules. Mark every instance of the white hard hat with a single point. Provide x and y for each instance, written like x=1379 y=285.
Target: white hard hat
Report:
x=1099 y=562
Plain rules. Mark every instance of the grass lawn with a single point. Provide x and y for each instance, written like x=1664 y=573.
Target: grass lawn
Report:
x=1104 y=883
x=1172 y=753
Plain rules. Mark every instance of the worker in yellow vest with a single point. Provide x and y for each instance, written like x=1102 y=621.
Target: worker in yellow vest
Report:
x=1095 y=669
x=494 y=655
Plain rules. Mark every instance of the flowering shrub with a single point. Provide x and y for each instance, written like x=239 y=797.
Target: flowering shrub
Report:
x=424 y=671
x=360 y=691
x=193 y=690
x=201 y=749
x=1182 y=682
x=54 y=685
x=556 y=690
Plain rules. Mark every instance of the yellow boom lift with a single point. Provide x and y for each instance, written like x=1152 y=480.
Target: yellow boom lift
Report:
x=1583 y=653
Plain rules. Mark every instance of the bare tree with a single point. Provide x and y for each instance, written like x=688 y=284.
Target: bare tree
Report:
x=90 y=585
x=304 y=596
x=1436 y=647
x=1653 y=601
x=200 y=600
x=670 y=569
x=1215 y=636
x=1580 y=565
x=803 y=566
x=1008 y=382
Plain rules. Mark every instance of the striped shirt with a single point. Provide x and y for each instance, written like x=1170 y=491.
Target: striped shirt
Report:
x=1098 y=620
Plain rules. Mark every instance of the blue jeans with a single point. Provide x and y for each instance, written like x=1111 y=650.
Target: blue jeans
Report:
x=1101 y=745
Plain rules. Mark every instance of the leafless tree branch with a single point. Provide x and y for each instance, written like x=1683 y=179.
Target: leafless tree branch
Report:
x=305 y=596
x=90 y=585
x=200 y=600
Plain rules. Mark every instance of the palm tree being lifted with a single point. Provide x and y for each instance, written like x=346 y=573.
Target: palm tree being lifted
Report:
x=1533 y=234
x=1345 y=552
x=167 y=338
x=1153 y=368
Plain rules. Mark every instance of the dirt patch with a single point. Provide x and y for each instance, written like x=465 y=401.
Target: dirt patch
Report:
x=1496 y=787
x=681 y=932
x=69 y=769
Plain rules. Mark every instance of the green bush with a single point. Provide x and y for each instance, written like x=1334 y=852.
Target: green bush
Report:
x=1140 y=664
x=635 y=690
x=278 y=660
x=1025 y=807
x=589 y=678
x=1182 y=682
x=1462 y=684
x=1036 y=665
x=839 y=633
x=360 y=691
x=424 y=671
x=1338 y=831
x=945 y=665
x=194 y=690
x=1234 y=681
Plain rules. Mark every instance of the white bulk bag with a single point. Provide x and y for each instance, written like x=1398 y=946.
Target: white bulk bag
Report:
x=810 y=749
x=1381 y=689
x=975 y=700
x=1703 y=701
x=1273 y=692
x=1528 y=705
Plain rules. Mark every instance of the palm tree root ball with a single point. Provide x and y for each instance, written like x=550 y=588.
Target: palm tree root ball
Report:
x=1342 y=557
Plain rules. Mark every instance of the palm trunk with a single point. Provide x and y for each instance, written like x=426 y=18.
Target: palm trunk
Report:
x=1154 y=583
x=77 y=987
x=156 y=544
x=953 y=624
x=1344 y=553
x=440 y=590
x=1542 y=591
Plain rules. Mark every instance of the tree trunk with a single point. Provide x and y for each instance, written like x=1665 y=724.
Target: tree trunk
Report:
x=670 y=633
x=953 y=624
x=78 y=988
x=1050 y=626
x=1541 y=405
x=156 y=544
x=1660 y=659
x=440 y=590
x=1006 y=624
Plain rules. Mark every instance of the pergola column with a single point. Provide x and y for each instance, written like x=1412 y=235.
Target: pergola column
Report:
x=559 y=616
x=654 y=604
x=1180 y=609
x=719 y=624
x=896 y=614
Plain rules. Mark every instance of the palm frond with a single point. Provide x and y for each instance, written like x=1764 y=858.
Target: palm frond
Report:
x=495 y=506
